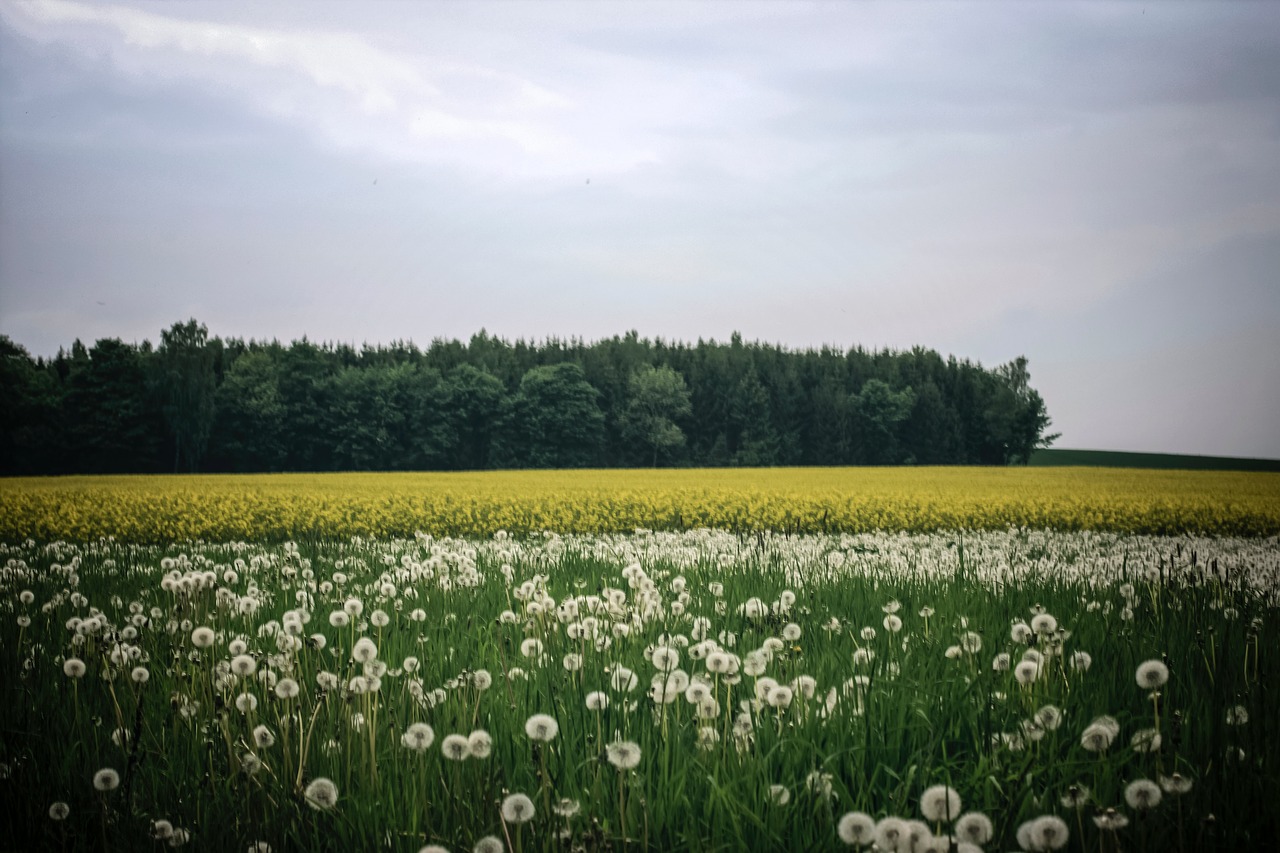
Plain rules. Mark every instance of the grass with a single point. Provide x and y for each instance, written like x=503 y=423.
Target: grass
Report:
x=1054 y=458
x=928 y=713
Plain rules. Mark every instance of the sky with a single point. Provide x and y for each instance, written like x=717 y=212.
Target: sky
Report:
x=1095 y=186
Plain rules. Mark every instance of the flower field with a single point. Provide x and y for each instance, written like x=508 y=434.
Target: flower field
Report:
x=693 y=690
x=795 y=500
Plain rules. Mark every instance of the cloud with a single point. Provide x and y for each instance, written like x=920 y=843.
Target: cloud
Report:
x=338 y=86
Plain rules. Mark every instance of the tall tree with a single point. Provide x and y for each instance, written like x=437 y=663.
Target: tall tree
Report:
x=879 y=410
x=555 y=420
x=187 y=386
x=474 y=402
x=753 y=438
x=658 y=400
x=1016 y=417
x=250 y=416
x=111 y=422
x=29 y=406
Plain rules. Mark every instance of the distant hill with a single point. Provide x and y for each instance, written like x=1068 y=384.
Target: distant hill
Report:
x=1120 y=459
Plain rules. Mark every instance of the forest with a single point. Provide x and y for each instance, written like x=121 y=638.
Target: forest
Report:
x=200 y=403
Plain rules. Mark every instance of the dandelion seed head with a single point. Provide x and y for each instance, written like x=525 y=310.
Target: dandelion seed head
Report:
x=818 y=783
x=489 y=844
x=455 y=747
x=856 y=829
x=623 y=754
x=665 y=658
x=1043 y=623
x=1049 y=832
x=1049 y=717
x=1026 y=672
x=321 y=794
x=974 y=827
x=939 y=802
x=1151 y=674
x=1145 y=740
x=780 y=697
x=1096 y=738
x=1111 y=820
x=567 y=807
x=890 y=832
x=364 y=650
x=1075 y=797
x=623 y=679
x=1142 y=794
x=106 y=779
x=479 y=744
x=243 y=665
x=517 y=808
x=419 y=737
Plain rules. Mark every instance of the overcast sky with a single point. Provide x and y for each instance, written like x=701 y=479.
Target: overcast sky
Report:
x=1093 y=185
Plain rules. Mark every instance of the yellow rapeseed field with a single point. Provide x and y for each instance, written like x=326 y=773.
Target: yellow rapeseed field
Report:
x=799 y=500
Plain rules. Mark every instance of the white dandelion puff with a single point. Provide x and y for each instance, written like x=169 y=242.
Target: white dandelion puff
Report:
x=419 y=737
x=455 y=747
x=106 y=779
x=1145 y=740
x=623 y=754
x=364 y=650
x=1049 y=833
x=489 y=844
x=1175 y=784
x=939 y=802
x=1151 y=674
x=479 y=743
x=1097 y=738
x=890 y=833
x=856 y=829
x=567 y=807
x=541 y=727
x=321 y=794
x=974 y=827
x=1142 y=794
x=517 y=808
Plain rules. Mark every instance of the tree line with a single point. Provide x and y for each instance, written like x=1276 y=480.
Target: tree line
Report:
x=199 y=403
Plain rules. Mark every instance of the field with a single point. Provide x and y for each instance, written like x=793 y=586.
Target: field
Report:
x=1055 y=457
x=654 y=690
x=792 y=500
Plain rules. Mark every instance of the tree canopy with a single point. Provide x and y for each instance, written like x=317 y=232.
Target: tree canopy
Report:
x=203 y=403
